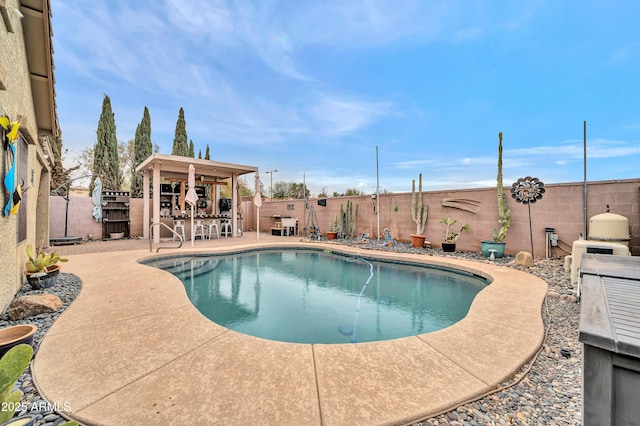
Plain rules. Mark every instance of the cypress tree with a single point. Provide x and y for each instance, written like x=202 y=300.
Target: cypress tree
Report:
x=191 y=149
x=206 y=154
x=180 y=146
x=105 y=152
x=199 y=154
x=59 y=175
x=142 y=148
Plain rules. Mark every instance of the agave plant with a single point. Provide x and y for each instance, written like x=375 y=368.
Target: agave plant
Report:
x=40 y=261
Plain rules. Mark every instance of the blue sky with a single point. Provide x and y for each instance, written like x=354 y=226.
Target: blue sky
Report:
x=311 y=88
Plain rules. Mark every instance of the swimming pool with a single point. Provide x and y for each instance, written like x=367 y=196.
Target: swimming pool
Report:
x=311 y=296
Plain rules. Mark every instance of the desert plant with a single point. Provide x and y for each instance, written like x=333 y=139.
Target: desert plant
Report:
x=504 y=213
x=451 y=236
x=348 y=220
x=40 y=261
x=419 y=210
x=333 y=225
x=12 y=364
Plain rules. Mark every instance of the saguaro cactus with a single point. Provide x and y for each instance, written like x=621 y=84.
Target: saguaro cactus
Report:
x=419 y=210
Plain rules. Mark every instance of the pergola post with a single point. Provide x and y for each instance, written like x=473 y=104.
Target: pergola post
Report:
x=234 y=205
x=146 y=220
x=156 y=200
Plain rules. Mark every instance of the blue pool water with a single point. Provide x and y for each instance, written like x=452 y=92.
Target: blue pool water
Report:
x=309 y=296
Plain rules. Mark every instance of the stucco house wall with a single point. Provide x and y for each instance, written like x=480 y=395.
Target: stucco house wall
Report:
x=33 y=108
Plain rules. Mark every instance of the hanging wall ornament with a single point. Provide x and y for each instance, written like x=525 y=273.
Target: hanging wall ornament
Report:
x=10 y=131
x=527 y=191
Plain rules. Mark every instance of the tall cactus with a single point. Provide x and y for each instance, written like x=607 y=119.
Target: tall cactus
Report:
x=355 y=221
x=503 y=212
x=347 y=219
x=419 y=210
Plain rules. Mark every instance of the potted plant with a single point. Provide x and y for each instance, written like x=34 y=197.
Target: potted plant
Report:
x=16 y=335
x=419 y=213
x=332 y=233
x=42 y=268
x=496 y=245
x=451 y=236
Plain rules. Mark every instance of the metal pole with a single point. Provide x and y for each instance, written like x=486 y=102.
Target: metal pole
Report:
x=533 y=256
x=271 y=172
x=584 y=235
x=66 y=212
x=377 y=197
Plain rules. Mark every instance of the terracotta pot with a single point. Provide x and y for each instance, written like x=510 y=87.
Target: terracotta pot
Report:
x=38 y=282
x=417 y=241
x=15 y=335
x=332 y=235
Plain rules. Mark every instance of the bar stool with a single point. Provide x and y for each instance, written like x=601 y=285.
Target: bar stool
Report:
x=198 y=226
x=225 y=226
x=178 y=228
x=211 y=225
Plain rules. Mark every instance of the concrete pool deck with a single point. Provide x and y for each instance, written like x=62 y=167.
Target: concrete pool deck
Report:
x=132 y=349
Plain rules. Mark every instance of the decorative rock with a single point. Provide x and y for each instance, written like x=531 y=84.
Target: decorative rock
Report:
x=50 y=417
x=524 y=258
x=27 y=306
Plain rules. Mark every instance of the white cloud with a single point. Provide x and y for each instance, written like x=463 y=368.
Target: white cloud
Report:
x=621 y=55
x=574 y=149
x=337 y=116
x=212 y=17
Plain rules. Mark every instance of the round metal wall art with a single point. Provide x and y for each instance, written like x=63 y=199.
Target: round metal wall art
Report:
x=527 y=190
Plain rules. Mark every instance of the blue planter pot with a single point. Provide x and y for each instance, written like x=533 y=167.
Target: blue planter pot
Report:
x=492 y=245
x=48 y=279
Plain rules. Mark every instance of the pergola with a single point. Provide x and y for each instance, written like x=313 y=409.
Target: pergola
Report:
x=175 y=168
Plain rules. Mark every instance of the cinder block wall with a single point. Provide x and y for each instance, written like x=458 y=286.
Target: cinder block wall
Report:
x=561 y=207
x=80 y=222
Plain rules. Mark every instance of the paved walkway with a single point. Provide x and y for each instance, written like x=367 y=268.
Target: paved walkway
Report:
x=132 y=349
